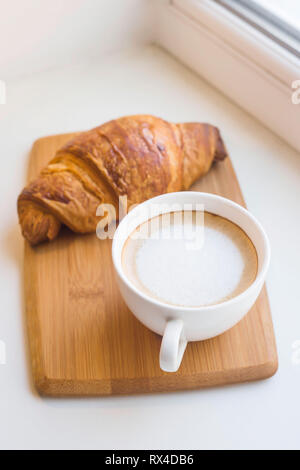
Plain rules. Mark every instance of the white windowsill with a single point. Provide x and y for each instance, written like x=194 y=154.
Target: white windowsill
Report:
x=257 y=415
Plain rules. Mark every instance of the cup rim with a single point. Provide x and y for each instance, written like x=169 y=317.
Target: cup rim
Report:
x=172 y=307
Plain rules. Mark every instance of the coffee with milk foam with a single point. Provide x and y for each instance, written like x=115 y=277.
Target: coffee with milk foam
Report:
x=190 y=259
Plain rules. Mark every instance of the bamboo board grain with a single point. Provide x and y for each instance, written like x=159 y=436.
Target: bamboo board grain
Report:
x=84 y=340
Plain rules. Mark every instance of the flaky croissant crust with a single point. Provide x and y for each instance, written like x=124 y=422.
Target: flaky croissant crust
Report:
x=138 y=156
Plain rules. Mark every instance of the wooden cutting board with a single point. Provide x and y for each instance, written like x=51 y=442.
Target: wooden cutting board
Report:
x=84 y=340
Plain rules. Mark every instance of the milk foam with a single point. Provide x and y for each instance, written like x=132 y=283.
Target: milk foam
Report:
x=164 y=266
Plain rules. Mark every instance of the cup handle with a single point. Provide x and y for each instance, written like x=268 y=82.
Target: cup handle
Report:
x=172 y=346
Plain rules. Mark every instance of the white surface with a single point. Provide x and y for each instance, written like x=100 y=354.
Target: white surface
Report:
x=49 y=33
x=258 y=415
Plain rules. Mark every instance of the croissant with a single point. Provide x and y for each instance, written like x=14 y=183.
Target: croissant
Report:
x=138 y=156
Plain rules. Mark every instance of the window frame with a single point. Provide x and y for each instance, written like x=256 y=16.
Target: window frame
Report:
x=265 y=21
x=247 y=66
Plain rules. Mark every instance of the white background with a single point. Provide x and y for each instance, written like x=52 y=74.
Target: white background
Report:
x=85 y=93
x=37 y=35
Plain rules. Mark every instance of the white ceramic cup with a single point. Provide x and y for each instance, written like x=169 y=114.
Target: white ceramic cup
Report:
x=177 y=324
